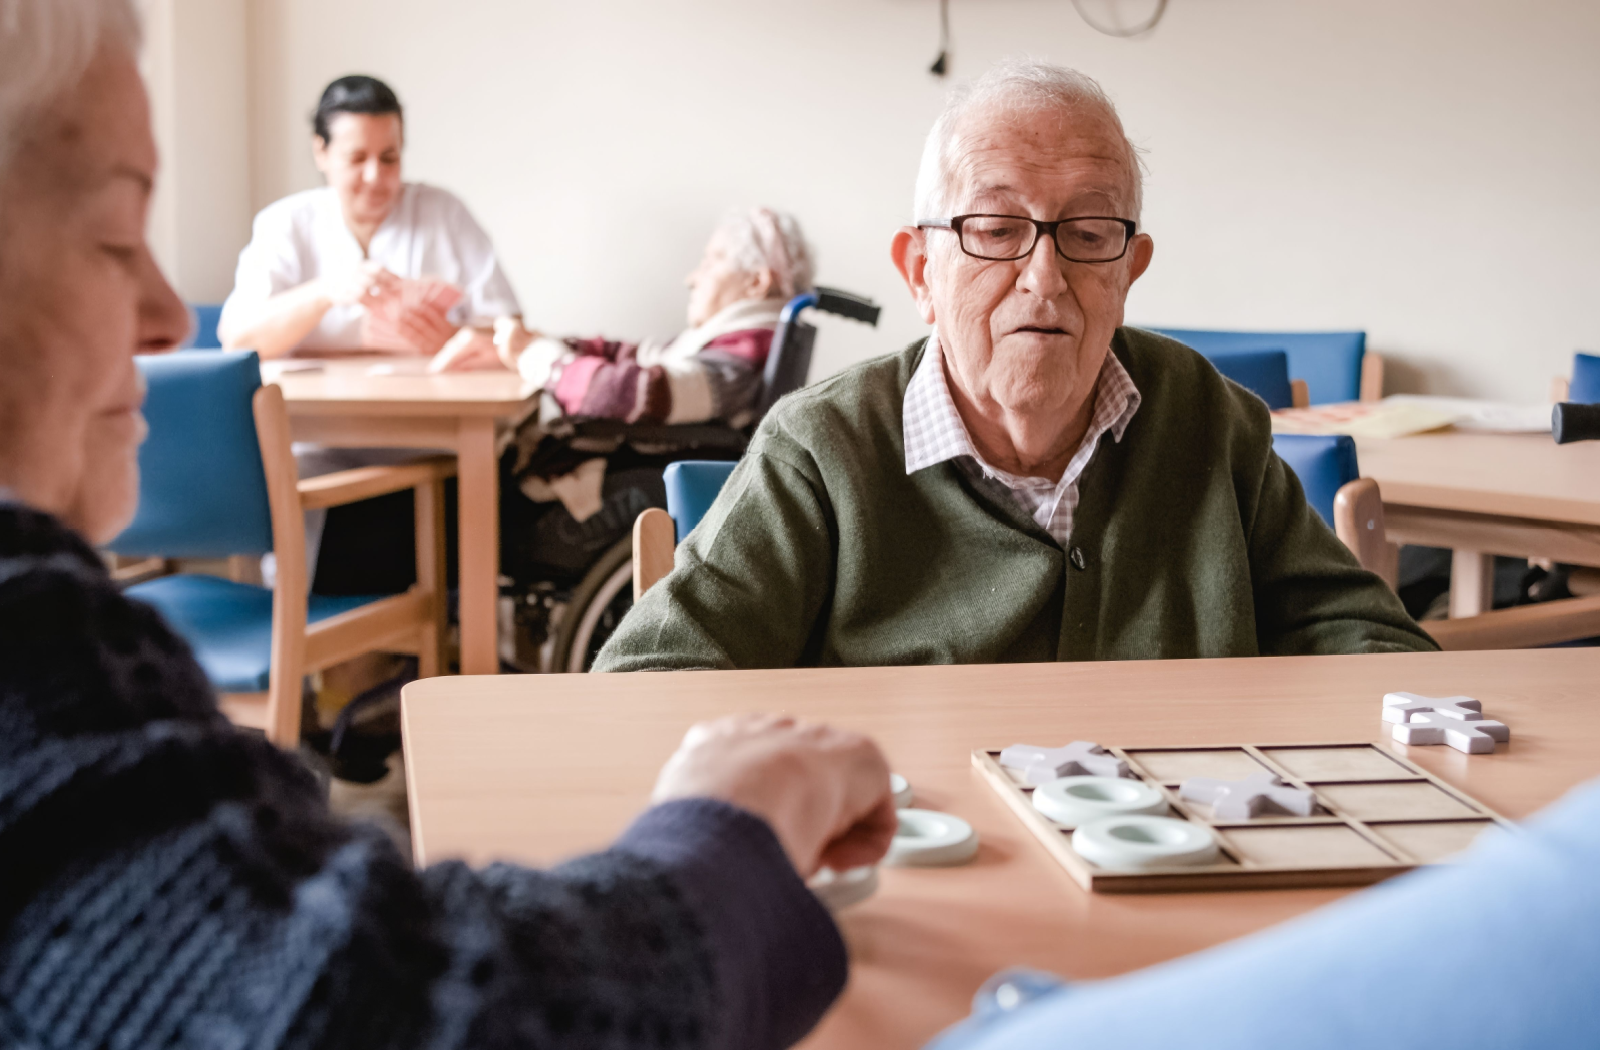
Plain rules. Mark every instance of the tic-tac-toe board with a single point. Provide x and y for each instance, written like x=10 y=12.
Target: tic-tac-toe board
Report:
x=1377 y=815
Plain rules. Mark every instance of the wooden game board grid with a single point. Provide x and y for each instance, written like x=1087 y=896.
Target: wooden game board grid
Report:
x=1241 y=871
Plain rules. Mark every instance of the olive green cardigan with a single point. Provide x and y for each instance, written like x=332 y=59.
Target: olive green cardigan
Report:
x=1191 y=539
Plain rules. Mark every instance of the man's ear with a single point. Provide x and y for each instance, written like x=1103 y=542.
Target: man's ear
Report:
x=909 y=250
x=1140 y=253
x=319 y=152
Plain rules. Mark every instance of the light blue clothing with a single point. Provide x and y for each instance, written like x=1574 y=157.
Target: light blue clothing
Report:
x=1499 y=950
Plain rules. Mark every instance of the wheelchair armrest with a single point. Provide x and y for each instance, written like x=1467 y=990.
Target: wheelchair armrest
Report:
x=359 y=483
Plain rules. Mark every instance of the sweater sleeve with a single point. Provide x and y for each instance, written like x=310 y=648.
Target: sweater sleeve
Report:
x=1311 y=595
x=170 y=880
x=749 y=583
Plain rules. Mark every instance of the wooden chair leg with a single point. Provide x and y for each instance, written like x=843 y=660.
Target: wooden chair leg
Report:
x=431 y=578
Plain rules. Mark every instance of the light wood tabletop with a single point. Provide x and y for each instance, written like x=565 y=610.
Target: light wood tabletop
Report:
x=536 y=770
x=383 y=403
x=1519 y=495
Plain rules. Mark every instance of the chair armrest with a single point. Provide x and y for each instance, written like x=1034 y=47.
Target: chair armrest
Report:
x=351 y=486
x=129 y=571
x=1521 y=627
x=1560 y=387
x=1299 y=393
x=1358 y=521
x=655 y=539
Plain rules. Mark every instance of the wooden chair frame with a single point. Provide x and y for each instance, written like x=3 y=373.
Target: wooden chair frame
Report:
x=412 y=622
x=655 y=540
x=1358 y=520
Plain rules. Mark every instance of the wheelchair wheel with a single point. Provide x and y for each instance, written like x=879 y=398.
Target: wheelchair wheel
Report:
x=598 y=604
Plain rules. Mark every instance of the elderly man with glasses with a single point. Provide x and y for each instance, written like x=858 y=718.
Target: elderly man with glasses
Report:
x=1034 y=481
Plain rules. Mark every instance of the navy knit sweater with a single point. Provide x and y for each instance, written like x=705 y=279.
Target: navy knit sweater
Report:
x=167 y=880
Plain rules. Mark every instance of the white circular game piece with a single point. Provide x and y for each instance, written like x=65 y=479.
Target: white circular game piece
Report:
x=839 y=889
x=927 y=839
x=900 y=787
x=1074 y=801
x=1133 y=843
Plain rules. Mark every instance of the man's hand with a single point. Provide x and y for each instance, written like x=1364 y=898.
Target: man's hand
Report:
x=425 y=327
x=823 y=791
x=363 y=284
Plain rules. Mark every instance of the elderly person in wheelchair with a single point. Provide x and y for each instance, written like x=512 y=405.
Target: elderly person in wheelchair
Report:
x=615 y=414
x=755 y=262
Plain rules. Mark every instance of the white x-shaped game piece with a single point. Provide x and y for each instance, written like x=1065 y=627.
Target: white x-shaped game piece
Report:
x=1040 y=765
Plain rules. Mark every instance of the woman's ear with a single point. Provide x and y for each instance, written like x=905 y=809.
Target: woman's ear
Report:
x=319 y=152
x=765 y=284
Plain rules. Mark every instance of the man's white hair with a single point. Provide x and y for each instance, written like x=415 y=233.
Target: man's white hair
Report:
x=1014 y=85
x=761 y=238
x=45 y=48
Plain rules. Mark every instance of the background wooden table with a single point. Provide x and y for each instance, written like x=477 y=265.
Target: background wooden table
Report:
x=537 y=770
x=344 y=404
x=1519 y=495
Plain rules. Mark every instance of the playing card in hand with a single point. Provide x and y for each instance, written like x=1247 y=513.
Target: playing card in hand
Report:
x=381 y=328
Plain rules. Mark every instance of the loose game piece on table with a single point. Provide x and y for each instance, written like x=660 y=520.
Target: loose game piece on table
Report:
x=1074 y=801
x=1133 y=843
x=1255 y=795
x=1040 y=765
x=1400 y=707
x=1475 y=737
x=839 y=889
x=900 y=788
x=926 y=839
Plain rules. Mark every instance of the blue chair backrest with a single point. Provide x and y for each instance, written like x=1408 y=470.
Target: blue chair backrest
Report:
x=204 y=337
x=692 y=486
x=1323 y=464
x=202 y=489
x=1329 y=362
x=1585 y=379
x=1265 y=373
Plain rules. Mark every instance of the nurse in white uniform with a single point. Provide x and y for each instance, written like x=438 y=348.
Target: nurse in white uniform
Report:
x=317 y=259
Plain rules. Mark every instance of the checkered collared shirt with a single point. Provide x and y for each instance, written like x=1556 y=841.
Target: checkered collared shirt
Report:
x=934 y=433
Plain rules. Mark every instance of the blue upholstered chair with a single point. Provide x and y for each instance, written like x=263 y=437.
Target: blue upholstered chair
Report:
x=1324 y=465
x=1334 y=365
x=217 y=479
x=204 y=336
x=1265 y=373
x=692 y=486
x=1585 y=385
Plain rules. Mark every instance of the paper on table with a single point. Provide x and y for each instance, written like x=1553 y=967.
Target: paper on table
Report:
x=1370 y=419
x=381 y=328
x=1493 y=416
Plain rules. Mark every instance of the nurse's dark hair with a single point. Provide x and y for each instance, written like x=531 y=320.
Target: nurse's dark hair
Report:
x=353 y=94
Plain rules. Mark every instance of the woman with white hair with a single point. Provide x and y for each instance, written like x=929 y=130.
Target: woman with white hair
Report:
x=169 y=880
x=755 y=262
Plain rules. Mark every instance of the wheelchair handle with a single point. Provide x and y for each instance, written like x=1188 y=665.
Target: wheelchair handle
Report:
x=833 y=301
x=1572 y=421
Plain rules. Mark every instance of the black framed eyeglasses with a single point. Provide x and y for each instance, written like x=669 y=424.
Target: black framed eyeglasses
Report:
x=1003 y=238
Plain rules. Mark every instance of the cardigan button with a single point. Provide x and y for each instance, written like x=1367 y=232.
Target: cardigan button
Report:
x=1077 y=558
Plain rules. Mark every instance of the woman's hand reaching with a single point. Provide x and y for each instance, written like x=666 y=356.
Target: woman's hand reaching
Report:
x=823 y=791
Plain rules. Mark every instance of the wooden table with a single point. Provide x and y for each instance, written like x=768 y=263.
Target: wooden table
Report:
x=534 y=771
x=363 y=405
x=1520 y=495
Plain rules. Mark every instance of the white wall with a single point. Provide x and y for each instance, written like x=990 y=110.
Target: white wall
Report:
x=1423 y=169
x=196 y=60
